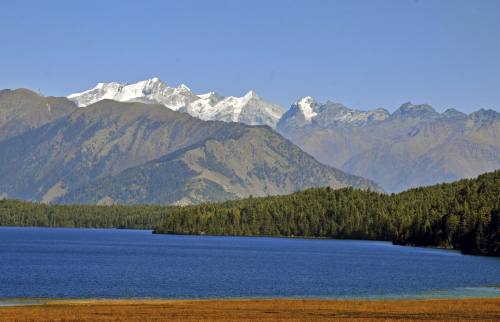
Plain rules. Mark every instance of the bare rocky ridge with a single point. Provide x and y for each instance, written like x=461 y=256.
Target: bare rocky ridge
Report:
x=22 y=109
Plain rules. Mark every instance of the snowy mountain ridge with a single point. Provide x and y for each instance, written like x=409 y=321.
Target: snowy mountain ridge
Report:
x=307 y=111
x=249 y=109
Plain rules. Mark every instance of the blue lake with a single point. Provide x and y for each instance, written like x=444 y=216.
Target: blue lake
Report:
x=110 y=263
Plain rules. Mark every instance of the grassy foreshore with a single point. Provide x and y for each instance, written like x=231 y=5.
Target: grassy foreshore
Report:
x=256 y=310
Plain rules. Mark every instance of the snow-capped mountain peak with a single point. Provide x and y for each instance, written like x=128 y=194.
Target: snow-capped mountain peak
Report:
x=152 y=90
x=183 y=87
x=249 y=109
x=308 y=112
x=307 y=106
x=300 y=114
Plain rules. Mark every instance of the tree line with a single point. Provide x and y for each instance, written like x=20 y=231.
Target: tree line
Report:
x=462 y=215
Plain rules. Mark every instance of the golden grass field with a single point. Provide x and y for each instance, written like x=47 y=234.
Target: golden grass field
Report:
x=256 y=310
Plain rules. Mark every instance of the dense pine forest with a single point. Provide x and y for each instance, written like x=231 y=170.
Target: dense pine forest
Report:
x=463 y=215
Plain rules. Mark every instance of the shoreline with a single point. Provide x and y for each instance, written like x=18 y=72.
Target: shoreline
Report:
x=464 y=293
x=255 y=309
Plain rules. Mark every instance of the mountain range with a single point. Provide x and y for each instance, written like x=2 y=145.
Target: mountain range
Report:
x=413 y=146
x=131 y=152
x=152 y=143
x=249 y=109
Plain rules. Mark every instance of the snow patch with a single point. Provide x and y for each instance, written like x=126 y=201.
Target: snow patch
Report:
x=306 y=106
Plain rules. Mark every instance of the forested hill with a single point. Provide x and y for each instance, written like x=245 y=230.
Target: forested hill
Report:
x=463 y=215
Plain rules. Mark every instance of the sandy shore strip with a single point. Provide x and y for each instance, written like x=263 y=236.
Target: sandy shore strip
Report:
x=256 y=310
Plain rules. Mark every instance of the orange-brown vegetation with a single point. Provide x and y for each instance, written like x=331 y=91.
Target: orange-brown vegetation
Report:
x=256 y=310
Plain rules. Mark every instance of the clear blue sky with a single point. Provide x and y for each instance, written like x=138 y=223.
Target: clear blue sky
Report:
x=364 y=54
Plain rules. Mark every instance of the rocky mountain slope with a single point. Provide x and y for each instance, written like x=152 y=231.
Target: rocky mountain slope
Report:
x=411 y=147
x=244 y=161
x=249 y=109
x=22 y=109
x=130 y=152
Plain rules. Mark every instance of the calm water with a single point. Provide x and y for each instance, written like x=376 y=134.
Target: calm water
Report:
x=89 y=263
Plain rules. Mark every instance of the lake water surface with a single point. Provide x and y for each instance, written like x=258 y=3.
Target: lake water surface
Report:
x=110 y=263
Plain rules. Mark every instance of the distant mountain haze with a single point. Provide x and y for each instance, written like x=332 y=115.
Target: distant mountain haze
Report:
x=411 y=147
x=131 y=152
